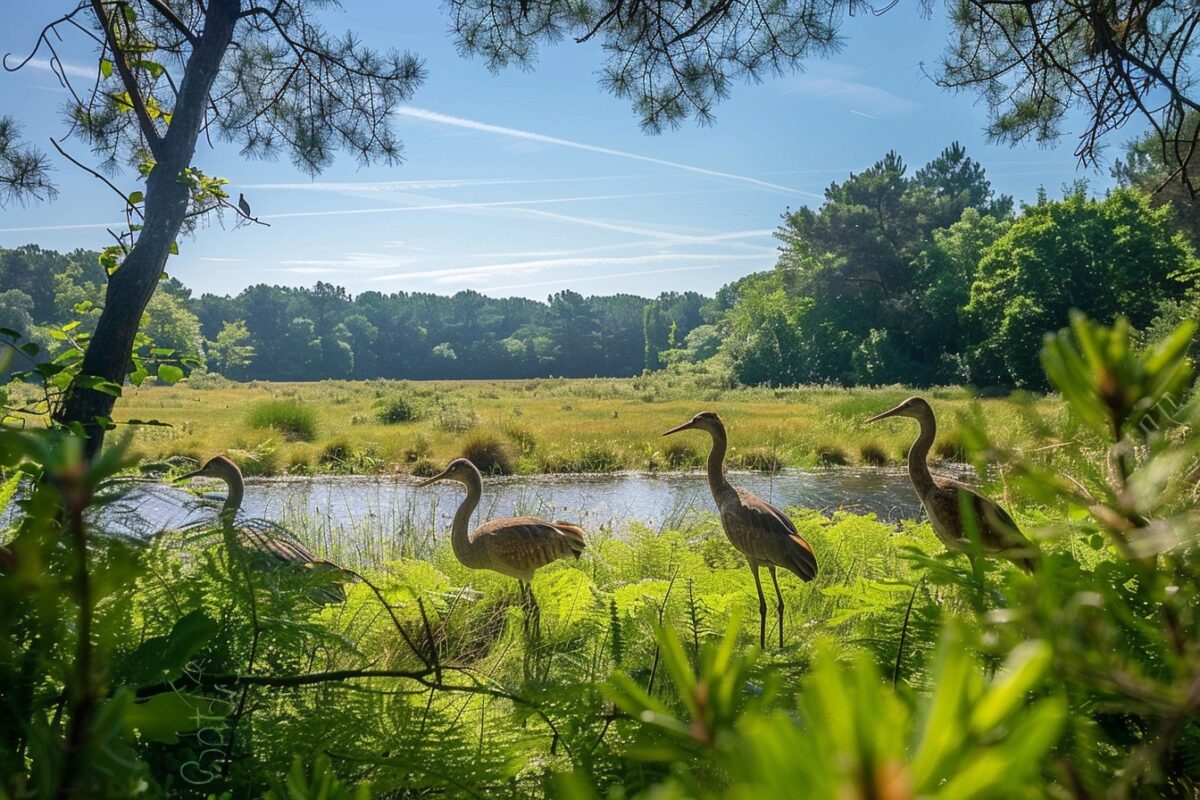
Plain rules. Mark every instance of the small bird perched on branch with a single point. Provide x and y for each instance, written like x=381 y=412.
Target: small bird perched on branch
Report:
x=243 y=205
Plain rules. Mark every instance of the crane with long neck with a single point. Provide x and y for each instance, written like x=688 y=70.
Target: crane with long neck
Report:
x=268 y=545
x=758 y=530
x=513 y=546
x=957 y=512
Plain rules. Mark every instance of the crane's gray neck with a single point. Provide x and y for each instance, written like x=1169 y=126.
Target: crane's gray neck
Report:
x=459 y=538
x=235 y=491
x=716 y=462
x=918 y=455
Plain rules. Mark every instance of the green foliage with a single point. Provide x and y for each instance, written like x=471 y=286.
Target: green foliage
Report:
x=291 y=419
x=489 y=453
x=1103 y=257
x=400 y=407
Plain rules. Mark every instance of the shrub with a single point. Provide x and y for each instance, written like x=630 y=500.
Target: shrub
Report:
x=488 y=453
x=831 y=455
x=291 y=419
x=453 y=414
x=680 y=455
x=419 y=449
x=872 y=454
x=522 y=437
x=399 y=408
x=950 y=447
x=424 y=468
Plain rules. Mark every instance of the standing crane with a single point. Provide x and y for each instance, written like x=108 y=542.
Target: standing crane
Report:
x=512 y=546
x=265 y=545
x=757 y=529
x=952 y=506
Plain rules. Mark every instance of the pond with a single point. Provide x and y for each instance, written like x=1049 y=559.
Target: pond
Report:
x=359 y=517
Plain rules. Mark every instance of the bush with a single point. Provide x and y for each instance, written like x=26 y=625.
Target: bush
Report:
x=872 y=454
x=453 y=414
x=681 y=455
x=399 y=409
x=831 y=455
x=950 y=447
x=488 y=453
x=589 y=457
x=291 y=419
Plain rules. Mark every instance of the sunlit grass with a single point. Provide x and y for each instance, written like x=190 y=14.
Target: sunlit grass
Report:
x=558 y=425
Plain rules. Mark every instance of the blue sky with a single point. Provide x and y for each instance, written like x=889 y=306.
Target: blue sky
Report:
x=526 y=183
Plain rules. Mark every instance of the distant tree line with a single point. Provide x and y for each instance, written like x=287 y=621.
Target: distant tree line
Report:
x=289 y=333
x=921 y=279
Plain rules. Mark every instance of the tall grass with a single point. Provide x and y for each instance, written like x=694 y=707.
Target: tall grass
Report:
x=563 y=425
x=292 y=419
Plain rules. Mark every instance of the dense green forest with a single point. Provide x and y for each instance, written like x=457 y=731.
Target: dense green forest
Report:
x=926 y=278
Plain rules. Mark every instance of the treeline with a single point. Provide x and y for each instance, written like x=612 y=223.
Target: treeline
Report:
x=921 y=279
x=930 y=278
x=297 y=334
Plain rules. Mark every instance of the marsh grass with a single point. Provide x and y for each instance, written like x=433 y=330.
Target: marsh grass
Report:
x=565 y=425
x=292 y=419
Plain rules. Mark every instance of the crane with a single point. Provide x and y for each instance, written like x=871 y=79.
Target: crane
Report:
x=757 y=529
x=952 y=506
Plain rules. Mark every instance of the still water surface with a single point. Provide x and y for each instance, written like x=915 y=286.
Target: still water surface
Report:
x=350 y=506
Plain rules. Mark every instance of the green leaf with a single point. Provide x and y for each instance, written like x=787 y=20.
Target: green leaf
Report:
x=162 y=658
x=169 y=373
x=106 y=67
x=136 y=197
x=163 y=716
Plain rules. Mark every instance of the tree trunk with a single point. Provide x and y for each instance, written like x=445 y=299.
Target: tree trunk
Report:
x=166 y=203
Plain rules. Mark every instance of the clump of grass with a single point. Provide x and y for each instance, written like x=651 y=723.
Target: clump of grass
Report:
x=291 y=419
x=522 y=437
x=831 y=455
x=872 y=454
x=680 y=455
x=758 y=459
x=399 y=408
x=336 y=453
x=299 y=460
x=453 y=414
x=589 y=457
x=261 y=461
x=488 y=453
x=418 y=450
x=950 y=447
x=424 y=468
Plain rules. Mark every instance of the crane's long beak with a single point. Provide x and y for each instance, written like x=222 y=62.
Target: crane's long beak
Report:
x=440 y=476
x=885 y=414
x=684 y=427
x=190 y=475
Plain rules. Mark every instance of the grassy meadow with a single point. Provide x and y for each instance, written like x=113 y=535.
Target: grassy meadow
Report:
x=555 y=425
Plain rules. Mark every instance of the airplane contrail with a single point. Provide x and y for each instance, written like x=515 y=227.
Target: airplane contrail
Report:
x=588 y=278
x=459 y=122
x=554 y=263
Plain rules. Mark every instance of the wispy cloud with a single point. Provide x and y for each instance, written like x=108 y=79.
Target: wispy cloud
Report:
x=605 y=277
x=357 y=262
x=669 y=237
x=73 y=227
x=71 y=70
x=429 y=184
x=458 y=206
x=842 y=85
x=459 y=122
x=537 y=265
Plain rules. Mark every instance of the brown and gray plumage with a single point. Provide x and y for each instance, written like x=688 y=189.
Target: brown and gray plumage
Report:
x=945 y=500
x=512 y=546
x=265 y=544
x=759 y=530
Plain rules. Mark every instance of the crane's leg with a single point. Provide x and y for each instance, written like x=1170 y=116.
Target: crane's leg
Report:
x=524 y=590
x=762 y=609
x=779 y=602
